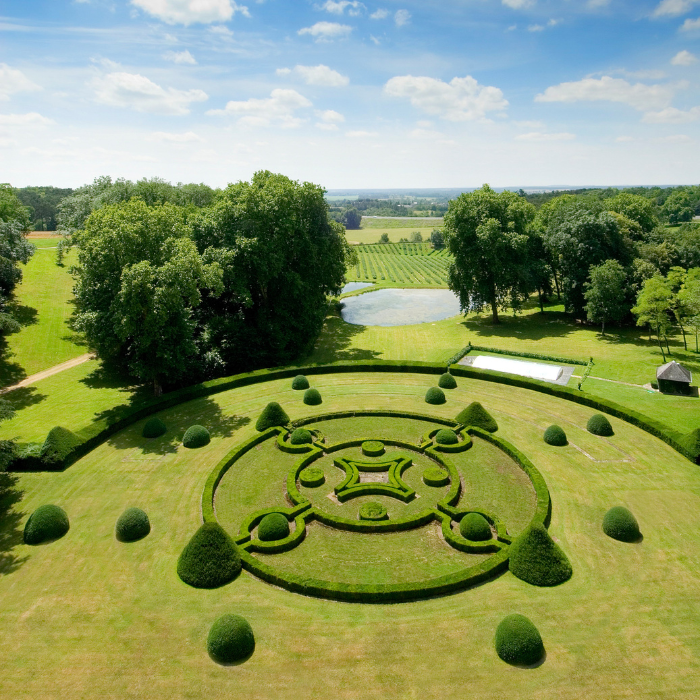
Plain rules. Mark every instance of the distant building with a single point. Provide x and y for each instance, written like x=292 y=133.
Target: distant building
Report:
x=674 y=378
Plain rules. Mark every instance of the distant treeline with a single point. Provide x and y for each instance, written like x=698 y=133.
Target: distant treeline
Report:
x=42 y=203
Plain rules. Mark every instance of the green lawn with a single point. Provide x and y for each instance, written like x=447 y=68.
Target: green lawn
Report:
x=403 y=229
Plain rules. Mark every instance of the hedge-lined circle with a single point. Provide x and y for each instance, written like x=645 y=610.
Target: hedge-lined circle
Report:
x=434 y=476
x=312 y=477
x=372 y=448
x=373 y=511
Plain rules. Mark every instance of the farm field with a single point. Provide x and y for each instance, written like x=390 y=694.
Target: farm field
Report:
x=372 y=235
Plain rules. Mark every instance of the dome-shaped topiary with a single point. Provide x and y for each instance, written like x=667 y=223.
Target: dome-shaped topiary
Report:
x=373 y=511
x=301 y=436
x=210 y=559
x=620 y=524
x=273 y=415
x=46 y=523
x=518 y=641
x=312 y=397
x=300 y=382
x=230 y=639
x=477 y=416
x=133 y=524
x=434 y=476
x=153 y=428
x=274 y=526
x=59 y=443
x=447 y=381
x=554 y=435
x=435 y=396
x=445 y=436
x=373 y=448
x=535 y=558
x=598 y=424
x=475 y=527
x=196 y=436
x=311 y=477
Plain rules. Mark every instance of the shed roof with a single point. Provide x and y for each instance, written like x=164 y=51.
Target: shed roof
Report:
x=674 y=372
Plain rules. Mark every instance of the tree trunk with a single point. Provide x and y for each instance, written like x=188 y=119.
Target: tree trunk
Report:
x=556 y=284
x=666 y=341
x=685 y=345
x=494 y=311
x=696 y=340
x=602 y=332
x=661 y=347
x=539 y=296
x=157 y=388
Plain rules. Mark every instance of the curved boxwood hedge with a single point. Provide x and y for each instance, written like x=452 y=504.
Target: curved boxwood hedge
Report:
x=272 y=527
x=435 y=396
x=153 y=428
x=196 y=436
x=132 y=525
x=311 y=477
x=46 y=523
x=598 y=424
x=312 y=397
x=537 y=559
x=475 y=527
x=300 y=383
x=554 y=435
x=447 y=381
x=518 y=641
x=273 y=415
x=620 y=524
x=210 y=559
x=230 y=639
x=445 y=436
x=301 y=436
x=373 y=511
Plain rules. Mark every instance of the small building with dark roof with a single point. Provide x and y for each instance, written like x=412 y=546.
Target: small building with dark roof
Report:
x=674 y=378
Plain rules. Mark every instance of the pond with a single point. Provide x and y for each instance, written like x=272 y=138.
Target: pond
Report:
x=400 y=307
x=354 y=286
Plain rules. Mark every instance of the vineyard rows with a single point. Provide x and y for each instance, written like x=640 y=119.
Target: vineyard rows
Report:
x=400 y=263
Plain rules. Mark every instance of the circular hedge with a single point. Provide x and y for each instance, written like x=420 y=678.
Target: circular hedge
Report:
x=154 y=428
x=46 y=523
x=518 y=641
x=196 y=436
x=447 y=381
x=445 y=436
x=434 y=476
x=133 y=524
x=554 y=435
x=620 y=524
x=475 y=527
x=435 y=396
x=301 y=436
x=312 y=397
x=210 y=559
x=373 y=511
x=598 y=424
x=230 y=639
x=274 y=526
x=300 y=382
x=372 y=448
x=312 y=477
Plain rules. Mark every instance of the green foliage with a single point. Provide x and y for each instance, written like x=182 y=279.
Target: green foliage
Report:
x=636 y=208
x=230 y=639
x=196 y=436
x=598 y=424
x=477 y=416
x=210 y=559
x=153 y=428
x=434 y=476
x=133 y=524
x=273 y=415
x=475 y=527
x=518 y=641
x=42 y=203
x=554 y=435
x=312 y=397
x=445 y=436
x=653 y=307
x=435 y=396
x=535 y=558
x=301 y=436
x=620 y=524
x=447 y=381
x=607 y=293
x=11 y=208
x=373 y=511
x=272 y=527
x=311 y=477
x=59 y=443
x=372 y=448
x=533 y=355
x=46 y=523
x=679 y=207
x=384 y=238
x=300 y=382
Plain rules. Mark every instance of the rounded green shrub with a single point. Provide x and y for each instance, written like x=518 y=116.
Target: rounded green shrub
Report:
x=311 y=477
x=518 y=641
x=153 y=428
x=477 y=416
x=274 y=526
x=372 y=448
x=445 y=436
x=301 y=436
x=435 y=396
x=230 y=639
x=598 y=424
x=46 y=523
x=210 y=559
x=300 y=382
x=554 y=435
x=59 y=443
x=196 y=436
x=475 y=527
x=620 y=524
x=537 y=559
x=373 y=511
x=447 y=381
x=133 y=524
x=434 y=476
x=312 y=397
x=273 y=415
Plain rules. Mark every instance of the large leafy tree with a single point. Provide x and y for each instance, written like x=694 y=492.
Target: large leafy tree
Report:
x=487 y=234
x=636 y=208
x=606 y=294
x=679 y=207
x=653 y=308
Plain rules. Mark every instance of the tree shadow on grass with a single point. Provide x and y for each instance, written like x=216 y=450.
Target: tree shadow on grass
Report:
x=334 y=343
x=24 y=396
x=11 y=532
x=551 y=324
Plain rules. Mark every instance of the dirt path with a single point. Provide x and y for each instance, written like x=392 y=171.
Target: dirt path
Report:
x=49 y=372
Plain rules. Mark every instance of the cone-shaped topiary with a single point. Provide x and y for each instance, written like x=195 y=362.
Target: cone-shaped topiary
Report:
x=554 y=435
x=475 y=527
x=273 y=415
x=477 y=416
x=196 y=436
x=153 y=428
x=312 y=397
x=620 y=524
x=518 y=641
x=59 y=443
x=537 y=559
x=133 y=524
x=210 y=559
x=46 y=523
x=230 y=639
x=445 y=436
x=435 y=396
x=274 y=526
x=447 y=381
x=598 y=424
x=300 y=382
x=301 y=436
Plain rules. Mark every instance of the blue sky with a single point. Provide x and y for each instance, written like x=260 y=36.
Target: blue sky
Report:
x=351 y=94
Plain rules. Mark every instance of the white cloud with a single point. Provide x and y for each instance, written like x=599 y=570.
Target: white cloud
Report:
x=530 y=124
x=539 y=137
x=690 y=25
x=187 y=137
x=517 y=4
x=316 y=75
x=671 y=115
x=279 y=108
x=553 y=22
x=326 y=31
x=462 y=99
x=221 y=30
x=31 y=118
x=676 y=138
x=375 y=40
x=338 y=7
x=360 y=134
x=402 y=17
x=329 y=119
x=191 y=11
x=684 y=58
x=138 y=92
x=180 y=57
x=12 y=81
x=535 y=28
x=673 y=8
x=379 y=14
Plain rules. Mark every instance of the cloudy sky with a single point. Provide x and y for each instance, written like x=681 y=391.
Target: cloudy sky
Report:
x=396 y=93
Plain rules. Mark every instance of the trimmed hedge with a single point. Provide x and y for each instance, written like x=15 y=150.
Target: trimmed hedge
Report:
x=312 y=397
x=447 y=381
x=272 y=527
x=445 y=436
x=435 y=396
x=210 y=559
x=301 y=436
x=132 y=525
x=300 y=382
x=518 y=641
x=475 y=415
x=196 y=436
x=554 y=435
x=533 y=355
x=46 y=523
x=272 y=416
x=311 y=477
x=230 y=639
x=153 y=428
x=373 y=448
x=373 y=511
x=59 y=443
x=620 y=524
x=459 y=355
x=598 y=424
x=535 y=558
x=475 y=527
x=434 y=476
